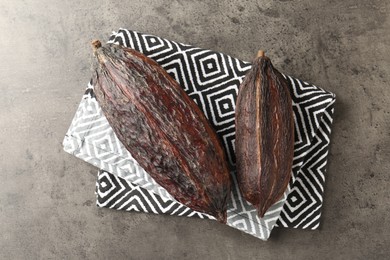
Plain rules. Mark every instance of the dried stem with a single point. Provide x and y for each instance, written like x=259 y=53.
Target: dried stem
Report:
x=96 y=44
x=260 y=53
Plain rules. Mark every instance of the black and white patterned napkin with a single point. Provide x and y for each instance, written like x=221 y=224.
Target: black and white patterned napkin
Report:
x=211 y=79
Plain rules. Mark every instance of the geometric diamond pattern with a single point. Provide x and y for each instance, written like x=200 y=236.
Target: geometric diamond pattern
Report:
x=222 y=105
x=117 y=193
x=212 y=80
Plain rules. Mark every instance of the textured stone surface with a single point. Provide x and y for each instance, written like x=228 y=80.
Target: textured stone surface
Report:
x=47 y=207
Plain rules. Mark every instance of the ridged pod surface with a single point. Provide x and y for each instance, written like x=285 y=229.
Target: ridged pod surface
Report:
x=264 y=143
x=162 y=128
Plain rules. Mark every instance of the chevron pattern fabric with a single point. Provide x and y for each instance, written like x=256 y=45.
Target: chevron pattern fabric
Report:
x=211 y=79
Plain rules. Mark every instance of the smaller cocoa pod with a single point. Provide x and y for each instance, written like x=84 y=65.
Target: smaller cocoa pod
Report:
x=264 y=135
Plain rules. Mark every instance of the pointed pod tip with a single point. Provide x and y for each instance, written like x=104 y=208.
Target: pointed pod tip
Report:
x=261 y=210
x=261 y=214
x=221 y=217
x=96 y=44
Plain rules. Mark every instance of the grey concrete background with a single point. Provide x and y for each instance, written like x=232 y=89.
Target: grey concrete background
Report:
x=47 y=207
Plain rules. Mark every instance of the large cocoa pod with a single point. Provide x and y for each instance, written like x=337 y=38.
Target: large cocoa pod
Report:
x=264 y=142
x=162 y=128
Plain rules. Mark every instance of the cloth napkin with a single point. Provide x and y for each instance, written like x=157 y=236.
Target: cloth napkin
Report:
x=212 y=80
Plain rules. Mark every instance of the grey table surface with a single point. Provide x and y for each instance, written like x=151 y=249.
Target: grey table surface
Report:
x=47 y=200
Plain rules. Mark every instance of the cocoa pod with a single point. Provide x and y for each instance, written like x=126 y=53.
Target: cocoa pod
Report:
x=264 y=143
x=162 y=128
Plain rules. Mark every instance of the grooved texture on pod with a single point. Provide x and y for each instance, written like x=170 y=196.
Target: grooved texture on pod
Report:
x=264 y=135
x=162 y=128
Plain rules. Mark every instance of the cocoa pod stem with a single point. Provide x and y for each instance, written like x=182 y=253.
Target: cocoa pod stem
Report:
x=260 y=53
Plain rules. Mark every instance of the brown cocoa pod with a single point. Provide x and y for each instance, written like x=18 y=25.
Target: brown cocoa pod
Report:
x=264 y=143
x=162 y=128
